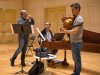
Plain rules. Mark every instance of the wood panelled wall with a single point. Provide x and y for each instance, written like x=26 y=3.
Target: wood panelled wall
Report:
x=8 y=17
x=90 y=11
x=9 y=12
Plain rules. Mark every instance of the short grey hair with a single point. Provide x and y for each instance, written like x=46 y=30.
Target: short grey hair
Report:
x=22 y=11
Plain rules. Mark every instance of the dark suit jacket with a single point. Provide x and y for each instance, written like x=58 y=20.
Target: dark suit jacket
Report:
x=44 y=34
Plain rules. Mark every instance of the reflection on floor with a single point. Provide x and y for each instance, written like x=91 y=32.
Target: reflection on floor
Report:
x=91 y=62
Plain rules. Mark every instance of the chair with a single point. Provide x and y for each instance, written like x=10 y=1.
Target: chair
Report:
x=30 y=45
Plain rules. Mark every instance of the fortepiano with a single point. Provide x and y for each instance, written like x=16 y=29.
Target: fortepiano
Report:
x=63 y=45
x=91 y=42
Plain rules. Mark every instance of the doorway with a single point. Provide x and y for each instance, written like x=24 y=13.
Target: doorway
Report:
x=54 y=15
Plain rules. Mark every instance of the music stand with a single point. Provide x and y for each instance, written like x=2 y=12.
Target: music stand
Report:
x=58 y=36
x=22 y=28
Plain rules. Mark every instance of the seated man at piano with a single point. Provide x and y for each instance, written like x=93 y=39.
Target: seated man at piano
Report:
x=47 y=33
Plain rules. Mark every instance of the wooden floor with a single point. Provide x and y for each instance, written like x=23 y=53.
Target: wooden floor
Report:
x=91 y=62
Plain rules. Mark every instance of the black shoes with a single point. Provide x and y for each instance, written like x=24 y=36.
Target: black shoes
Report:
x=74 y=74
x=12 y=62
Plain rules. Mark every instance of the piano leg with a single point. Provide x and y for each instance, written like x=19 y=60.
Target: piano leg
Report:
x=65 y=63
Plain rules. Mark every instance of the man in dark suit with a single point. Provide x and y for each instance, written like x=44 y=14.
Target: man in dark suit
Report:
x=47 y=33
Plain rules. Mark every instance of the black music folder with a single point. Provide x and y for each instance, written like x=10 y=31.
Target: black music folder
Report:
x=22 y=28
x=59 y=36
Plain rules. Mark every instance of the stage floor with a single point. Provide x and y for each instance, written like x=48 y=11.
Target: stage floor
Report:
x=90 y=61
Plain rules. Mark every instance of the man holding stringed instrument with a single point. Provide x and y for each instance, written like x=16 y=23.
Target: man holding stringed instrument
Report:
x=76 y=33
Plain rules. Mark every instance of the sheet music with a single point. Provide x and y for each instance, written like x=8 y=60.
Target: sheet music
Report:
x=32 y=28
x=12 y=29
x=40 y=34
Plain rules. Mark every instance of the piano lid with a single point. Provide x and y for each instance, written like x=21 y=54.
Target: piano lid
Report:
x=91 y=37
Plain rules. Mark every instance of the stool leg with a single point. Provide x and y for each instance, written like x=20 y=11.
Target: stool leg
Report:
x=31 y=51
x=27 y=51
x=45 y=65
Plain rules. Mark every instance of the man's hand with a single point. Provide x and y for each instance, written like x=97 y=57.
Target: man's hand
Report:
x=72 y=31
x=63 y=30
x=28 y=17
x=46 y=40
